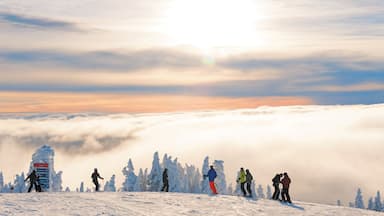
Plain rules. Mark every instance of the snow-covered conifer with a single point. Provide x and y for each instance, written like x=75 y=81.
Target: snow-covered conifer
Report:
x=260 y=192
x=1 y=182
x=204 y=183
x=371 y=204
x=155 y=176
x=130 y=177
x=139 y=182
x=81 y=187
x=338 y=203
x=359 y=203
x=110 y=185
x=19 y=186
x=378 y=206
x=220 y=179
x=269 y=192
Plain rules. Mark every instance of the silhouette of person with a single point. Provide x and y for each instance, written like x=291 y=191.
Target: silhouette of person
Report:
x=286 y=181
x=276 y=183
x=165 y=181
x=249 y=179
x=32 y=181
x=95 y=176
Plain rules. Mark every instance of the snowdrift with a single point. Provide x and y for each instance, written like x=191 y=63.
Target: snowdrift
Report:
x=156 y=203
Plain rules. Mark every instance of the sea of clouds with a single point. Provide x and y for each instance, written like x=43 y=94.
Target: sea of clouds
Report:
x=328 y=151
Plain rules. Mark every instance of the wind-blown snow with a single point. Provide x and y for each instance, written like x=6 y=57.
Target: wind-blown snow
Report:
x=155 y=203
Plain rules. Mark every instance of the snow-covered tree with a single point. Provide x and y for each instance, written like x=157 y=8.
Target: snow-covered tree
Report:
x=155 y=176
x=338 y=203
x=45 y=154
x=269 y=192
x=81 y=187
x=57 y=182
x=351 y=204
x=193 y=179
x=145 y=185
x=253 y=188
x=359 y=203
x=19 y=186
x=130 y=177
x=378 y=206
x=371 y=204
x=220 y=179
x=1 y=182
x=175 y=177
x=205 y=183
x=139 y=183
x=260 y=192
x=110 y=185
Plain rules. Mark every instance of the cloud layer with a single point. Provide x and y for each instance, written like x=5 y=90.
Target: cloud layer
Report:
x=328 y=150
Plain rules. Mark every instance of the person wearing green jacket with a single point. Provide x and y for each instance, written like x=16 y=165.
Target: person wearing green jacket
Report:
x=242 y=180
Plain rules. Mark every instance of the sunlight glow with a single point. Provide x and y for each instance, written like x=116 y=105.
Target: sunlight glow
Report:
x=214 y=23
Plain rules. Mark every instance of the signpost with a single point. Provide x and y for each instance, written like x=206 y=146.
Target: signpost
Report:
x=42 y=171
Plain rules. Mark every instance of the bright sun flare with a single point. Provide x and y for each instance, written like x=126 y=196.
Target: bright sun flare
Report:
x=213 y=23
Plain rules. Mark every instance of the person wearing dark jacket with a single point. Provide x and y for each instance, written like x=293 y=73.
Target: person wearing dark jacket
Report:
x=32 y=180
x=165 y=181
x=249 y=179
x=286 y=181
x=276 y=183
x=95 y=175
x=211 y=178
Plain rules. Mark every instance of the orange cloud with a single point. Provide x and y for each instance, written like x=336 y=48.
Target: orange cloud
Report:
x=136 y=103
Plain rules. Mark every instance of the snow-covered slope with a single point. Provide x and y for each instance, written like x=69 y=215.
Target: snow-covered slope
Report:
x=154 y=203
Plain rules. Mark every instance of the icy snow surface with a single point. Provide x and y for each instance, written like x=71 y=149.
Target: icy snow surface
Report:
x=156 y=203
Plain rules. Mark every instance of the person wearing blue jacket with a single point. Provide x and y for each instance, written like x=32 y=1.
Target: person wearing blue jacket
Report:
x=211 y=177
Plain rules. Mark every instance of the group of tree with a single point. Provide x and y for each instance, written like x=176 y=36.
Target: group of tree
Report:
x=374 y=203
x=182 y=178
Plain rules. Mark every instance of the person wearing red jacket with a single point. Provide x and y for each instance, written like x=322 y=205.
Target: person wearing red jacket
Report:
x=286 y=181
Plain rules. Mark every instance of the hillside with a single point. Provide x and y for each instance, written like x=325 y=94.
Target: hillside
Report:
x=147 y=203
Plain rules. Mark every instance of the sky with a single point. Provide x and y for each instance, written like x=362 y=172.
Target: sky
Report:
x=328 y=151
x=280 y=81
x=127 y=54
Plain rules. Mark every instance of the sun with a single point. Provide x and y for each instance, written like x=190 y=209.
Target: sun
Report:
x=213 y=23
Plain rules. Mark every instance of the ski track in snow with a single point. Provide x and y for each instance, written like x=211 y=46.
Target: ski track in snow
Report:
x=159 y=203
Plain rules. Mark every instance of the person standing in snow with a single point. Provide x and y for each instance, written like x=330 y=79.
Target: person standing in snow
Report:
x=242 y=179
x=249 y=179
x=95 y=176
x=32 y=180
x=211 y=178
x=286 y=181
x=276 y=183
x=165 y=181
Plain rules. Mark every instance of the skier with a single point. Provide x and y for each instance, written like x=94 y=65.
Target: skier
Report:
x=242 y=179
x=211 y=178
x=249 y=179
x=276 y=183
x=165 y=180
x=285 y=193
x=32 y=180
x=95 y=175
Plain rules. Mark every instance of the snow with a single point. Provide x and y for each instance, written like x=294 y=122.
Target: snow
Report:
x=159 y=203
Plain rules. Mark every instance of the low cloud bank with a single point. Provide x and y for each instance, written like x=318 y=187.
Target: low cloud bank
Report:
x=329 y=151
